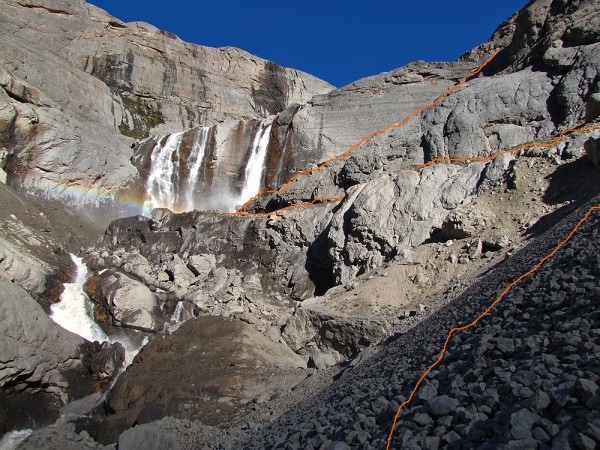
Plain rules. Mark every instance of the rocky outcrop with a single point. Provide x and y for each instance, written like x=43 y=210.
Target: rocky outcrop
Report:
x=42 y=366
x=515 y=380
x=221 y=365
x=125 y=302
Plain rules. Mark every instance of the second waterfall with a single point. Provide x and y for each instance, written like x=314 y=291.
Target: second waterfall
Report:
x=217 y=167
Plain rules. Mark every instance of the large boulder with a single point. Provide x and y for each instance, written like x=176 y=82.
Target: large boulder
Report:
x=125 y=302
x=220 y=366
x=40 y=363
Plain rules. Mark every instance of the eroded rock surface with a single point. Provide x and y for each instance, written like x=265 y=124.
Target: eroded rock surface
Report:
x=41 y=365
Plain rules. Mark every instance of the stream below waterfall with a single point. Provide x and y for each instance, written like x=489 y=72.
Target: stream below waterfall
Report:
x=74 y=312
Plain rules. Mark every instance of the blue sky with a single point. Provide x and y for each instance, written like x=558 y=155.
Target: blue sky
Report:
x=338 y=41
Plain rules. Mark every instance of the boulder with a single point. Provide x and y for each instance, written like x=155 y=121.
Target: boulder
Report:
x=202 y=264
x=41 y=365
x=592 y=107
x=127 y=302
x=220 y=365
x=467 y=221
x=104 y=360
x=442 y=405
x=592 y=150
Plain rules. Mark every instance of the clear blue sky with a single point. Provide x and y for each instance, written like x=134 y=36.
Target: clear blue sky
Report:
x=337 y=40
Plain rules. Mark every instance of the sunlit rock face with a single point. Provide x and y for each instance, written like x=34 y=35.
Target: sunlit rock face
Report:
x=79 y=87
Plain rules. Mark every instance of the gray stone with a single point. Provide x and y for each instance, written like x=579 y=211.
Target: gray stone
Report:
x=585 y=388
x=592 y=107
x=522 y=422
x=584 y=442
x=592 y=150
x=338 y=445
x=539 y=401
x=442 y=405
x=127 y=302
x=505 y=345
x=495 y=242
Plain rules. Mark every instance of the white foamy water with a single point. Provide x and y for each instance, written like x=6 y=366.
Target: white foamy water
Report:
x=164 y=171
x=12 y=439
x=176 y=316
x=74 y=312
x=194 y=164
x=256 y=164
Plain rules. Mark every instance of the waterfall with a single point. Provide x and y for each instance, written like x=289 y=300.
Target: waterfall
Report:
x=176 y=316
x=178 y=163
x=74 y=312
x=13 y=439
x=194 y=164
x=256 y=164
x=164 y=172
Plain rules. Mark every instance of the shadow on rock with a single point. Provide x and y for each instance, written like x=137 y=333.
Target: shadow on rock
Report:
x=576 y=183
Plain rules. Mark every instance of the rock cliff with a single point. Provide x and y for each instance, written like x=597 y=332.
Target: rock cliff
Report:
x=78 y=86
x=389 y=234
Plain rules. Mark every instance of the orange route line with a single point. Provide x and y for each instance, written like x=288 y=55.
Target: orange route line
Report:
x=482 y=315
x=295 y=205
x=514 y=150
x=239 y=211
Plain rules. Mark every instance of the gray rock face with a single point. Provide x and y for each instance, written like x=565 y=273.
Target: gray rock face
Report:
x=126 y=302
x=23 y=269
x=40 y=366
x=112 y=83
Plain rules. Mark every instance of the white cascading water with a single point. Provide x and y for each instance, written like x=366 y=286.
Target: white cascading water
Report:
x=161 y=183
x=256 y=164
x=164 y=186
x=74 y=312
x=176 y=316
x=13 y=439
x=194 y=164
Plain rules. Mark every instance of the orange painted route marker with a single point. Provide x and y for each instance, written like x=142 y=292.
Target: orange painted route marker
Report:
x=513 y=150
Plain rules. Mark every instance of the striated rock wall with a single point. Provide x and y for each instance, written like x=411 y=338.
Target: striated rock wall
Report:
x=78 y=86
